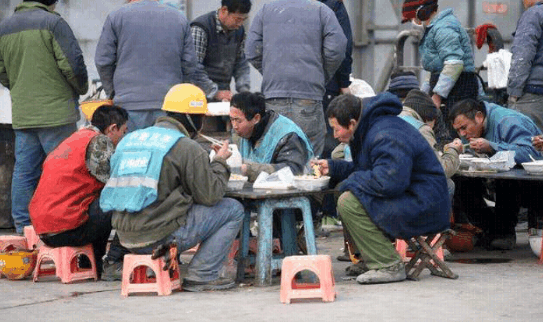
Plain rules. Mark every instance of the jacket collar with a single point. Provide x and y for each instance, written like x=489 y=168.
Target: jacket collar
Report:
x=29 y=5
x=172 y=124
x=441 y=15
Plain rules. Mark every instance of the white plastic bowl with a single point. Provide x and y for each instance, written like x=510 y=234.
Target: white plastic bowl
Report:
x=534 y=167
x=535 y=243
x=237 y=183
x=311 y=183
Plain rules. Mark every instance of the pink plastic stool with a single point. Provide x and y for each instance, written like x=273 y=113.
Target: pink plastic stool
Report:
x=321 y=265
x=32 y=240
x=135 y=278
x=8 y=243
x=65 y=260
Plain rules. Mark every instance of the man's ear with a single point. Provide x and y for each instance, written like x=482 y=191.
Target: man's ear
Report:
x=110 y=128
x=257 y=118
x=352 y=123
x=479 y=117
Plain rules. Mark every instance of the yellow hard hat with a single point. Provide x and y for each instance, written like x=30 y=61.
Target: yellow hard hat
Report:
x=185 y=98
x=18 y=264
x=88 y=107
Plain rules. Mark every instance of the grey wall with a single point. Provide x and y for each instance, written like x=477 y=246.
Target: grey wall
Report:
x=375 y=24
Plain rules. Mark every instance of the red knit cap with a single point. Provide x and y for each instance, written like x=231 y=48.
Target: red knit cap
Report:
x=409 y=9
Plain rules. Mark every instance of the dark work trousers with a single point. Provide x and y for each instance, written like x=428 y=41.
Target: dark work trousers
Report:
x=465 y=87
x=95 y=231
x=469 y=206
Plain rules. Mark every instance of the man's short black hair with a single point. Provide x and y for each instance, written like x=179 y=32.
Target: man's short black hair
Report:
x=249 y=103
x=237 y=6
x=344 y=108
x=106 y=115
x=467 y=107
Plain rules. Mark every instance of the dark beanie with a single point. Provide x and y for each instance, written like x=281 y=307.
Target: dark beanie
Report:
x=402 y=82
x=409 y=9
x=45 y=2
x=422 y=104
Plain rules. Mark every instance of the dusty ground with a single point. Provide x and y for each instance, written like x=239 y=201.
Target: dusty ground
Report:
x=510 y=291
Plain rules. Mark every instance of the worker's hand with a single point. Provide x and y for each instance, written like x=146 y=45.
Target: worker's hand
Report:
x=244 y=169
x=437 y=100
x=512 y=100
x=222 y=151
x=169 y=252
x=537 y=142
x=323 y=166
x=480 y=145
x=223 y=96
x=345 y=90
x=456 y=144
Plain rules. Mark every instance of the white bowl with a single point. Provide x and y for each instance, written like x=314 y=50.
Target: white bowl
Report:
x=535 y=243
x=483 y=164
x=237 y=182
x=534 y=167
x=310 y=183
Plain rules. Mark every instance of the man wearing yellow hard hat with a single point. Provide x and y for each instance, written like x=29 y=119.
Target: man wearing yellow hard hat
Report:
x=164 y=189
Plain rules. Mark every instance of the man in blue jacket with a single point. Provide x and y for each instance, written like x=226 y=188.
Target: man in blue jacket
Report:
x=525 y=83
x=145 y=48
x=297 y=46
x=394 y=187
x=490 y=128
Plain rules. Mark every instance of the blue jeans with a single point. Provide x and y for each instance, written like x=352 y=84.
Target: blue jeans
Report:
x=215 y=229
x=95 y=231
x=31 y=148
x=140 y=119
x=307 y=114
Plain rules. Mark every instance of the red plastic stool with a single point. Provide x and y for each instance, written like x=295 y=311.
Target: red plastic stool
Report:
x=8 y=243
x=32 y=240
x=65 y=260
x=135 y=278
x=321 y=265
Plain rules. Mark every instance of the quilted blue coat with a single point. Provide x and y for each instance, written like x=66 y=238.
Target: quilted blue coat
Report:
x=395 y=173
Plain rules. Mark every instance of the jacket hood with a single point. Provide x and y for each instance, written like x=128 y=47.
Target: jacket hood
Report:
x=382 y=104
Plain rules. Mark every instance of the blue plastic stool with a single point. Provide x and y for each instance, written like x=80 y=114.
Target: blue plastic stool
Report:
x=265 y=208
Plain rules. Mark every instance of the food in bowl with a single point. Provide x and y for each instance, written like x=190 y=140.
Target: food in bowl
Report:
x=237 y=181
x=534 y=167
x=311 y=182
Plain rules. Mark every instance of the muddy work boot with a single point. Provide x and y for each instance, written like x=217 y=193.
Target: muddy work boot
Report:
x=356 y=269
x=394 y=273
x=222 y=283
x=112 y=271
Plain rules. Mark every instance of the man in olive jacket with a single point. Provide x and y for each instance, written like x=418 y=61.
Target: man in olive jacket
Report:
x=42 y=65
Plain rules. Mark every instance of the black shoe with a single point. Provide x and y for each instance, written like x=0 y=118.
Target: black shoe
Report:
x=507 y=242
x=222 y=283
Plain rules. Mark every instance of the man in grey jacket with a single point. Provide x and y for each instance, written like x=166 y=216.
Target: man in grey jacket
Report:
x=525 y=83
x=145 y=48
x=297 y=46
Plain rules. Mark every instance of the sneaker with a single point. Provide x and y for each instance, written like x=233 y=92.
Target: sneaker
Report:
x=222 y=283
x=112 y=271
x=394 y=273
x=504 y=243
x=356 y=269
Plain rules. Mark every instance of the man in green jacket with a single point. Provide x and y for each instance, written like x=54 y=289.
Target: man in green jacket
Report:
x=42 y=65
x=163 y=188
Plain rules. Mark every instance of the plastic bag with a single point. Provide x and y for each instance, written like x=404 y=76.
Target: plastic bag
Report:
x=282 y=179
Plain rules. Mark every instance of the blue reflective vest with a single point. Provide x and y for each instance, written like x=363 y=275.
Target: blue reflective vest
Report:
x=135 y=169
x=263 y=153
x=411 y=120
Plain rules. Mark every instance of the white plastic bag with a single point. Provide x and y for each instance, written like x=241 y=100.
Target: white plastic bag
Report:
x=282 y=179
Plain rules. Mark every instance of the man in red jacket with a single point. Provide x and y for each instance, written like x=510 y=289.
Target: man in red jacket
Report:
x=64 y=209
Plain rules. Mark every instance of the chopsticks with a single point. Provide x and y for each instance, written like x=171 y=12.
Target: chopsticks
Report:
x=210 y=139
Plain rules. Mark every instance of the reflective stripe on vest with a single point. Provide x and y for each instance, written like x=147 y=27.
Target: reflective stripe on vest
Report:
x=135 y=169
x=411 y=120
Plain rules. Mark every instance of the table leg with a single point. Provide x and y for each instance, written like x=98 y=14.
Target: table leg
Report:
x=264 y=254
x=243 y=253
x=288 y=232
x=308 y=227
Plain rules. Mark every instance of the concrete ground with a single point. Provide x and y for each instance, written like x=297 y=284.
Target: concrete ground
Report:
x=507 y=291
